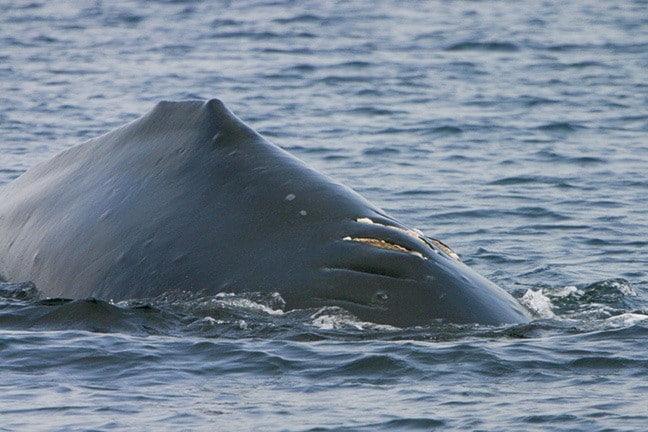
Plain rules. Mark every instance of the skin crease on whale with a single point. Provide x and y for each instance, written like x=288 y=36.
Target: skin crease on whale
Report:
x=190 y=198
x=416 y=234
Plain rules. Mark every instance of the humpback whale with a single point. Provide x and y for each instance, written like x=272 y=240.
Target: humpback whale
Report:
x=190 y=198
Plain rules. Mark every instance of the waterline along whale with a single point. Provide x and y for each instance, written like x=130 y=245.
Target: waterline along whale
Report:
x=190 y=198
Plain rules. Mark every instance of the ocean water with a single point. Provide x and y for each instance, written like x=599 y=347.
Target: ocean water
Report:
x=516 y=132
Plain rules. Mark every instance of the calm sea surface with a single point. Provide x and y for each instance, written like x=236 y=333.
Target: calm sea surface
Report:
x=516 y=132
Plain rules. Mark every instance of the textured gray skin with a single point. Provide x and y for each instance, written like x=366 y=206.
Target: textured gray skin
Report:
x=190 y=198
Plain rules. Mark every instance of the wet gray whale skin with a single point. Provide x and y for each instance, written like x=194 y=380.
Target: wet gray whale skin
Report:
x=190 y=198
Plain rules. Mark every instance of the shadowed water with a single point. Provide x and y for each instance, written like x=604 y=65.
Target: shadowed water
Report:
x=517 y=133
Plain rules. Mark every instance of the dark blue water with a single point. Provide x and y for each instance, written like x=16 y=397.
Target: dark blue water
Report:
x=516 y=132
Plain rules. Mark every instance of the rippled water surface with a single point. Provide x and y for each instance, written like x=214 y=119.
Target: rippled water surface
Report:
x=516 y=132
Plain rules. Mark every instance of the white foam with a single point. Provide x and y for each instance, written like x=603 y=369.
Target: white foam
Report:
x=568 y=291
x=625 y=320
x=538 y=303
x=334 y=318
x=210 y=321
x=234 y=300
x=624 y=288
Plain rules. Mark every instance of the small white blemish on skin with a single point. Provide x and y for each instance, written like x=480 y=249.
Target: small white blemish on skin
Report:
x=303 y=212
x=290 y=197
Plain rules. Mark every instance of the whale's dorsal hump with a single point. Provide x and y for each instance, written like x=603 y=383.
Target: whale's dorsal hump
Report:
x=191 y=118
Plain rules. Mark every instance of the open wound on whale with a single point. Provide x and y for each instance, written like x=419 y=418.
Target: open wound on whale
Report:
x=415 y=234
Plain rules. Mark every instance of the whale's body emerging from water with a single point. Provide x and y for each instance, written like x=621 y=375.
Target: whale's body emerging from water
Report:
x=190 y=198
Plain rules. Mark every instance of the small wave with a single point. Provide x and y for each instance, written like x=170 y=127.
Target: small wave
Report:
x=123 y=19
x=239 y=34
x=599 y=300
x=470 y=214
x=626 y=320
x=587 y=160
x=19 y=291
x=335 y=80
x=304 y=18
x=375 y=365
x=533 y=101
x=381 y=151
x=560 y=127
x=517 y=180
x=446 y=130
x=405 y=424
x=530 y=179
x=217 y=23
x=355 y=64
x=420 y=191
x=301 y=67
x=373 y=111
x=539 y=213
x=484 y=46
x=565 y=47
x=586 y=64
x=89 y=315
x=295 y=51
x=616 y=47
x=309 y=150
x=575 y=160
